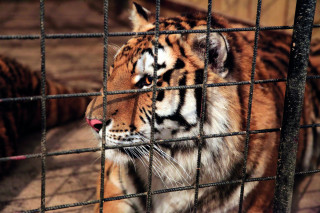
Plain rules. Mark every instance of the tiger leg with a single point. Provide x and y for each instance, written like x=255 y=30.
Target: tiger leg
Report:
x=113 y=187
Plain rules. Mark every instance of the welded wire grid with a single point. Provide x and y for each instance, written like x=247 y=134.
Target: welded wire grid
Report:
x=105 y=76
x=200 y=138
x=253 y=68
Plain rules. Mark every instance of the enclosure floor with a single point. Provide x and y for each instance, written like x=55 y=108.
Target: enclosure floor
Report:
x=75 y=62
x=69 y=178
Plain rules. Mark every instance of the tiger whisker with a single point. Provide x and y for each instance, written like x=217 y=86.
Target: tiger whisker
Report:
x=155 y=166
x=95 y=160
x=138 y=155
x=130 y=158
x=159 y=163
x=170 y=159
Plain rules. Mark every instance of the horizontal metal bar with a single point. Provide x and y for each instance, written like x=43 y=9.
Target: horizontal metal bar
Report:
x=59 y=96
x=75 y=95
x=95 y=149
x=117 y=34
x=162 y=191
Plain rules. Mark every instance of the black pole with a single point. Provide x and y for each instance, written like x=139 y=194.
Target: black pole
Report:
x=296 y=80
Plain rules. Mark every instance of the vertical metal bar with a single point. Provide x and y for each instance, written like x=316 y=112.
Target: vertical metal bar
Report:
x=203 y=106
x=296 y=79
x=253 y=69
x=105 y=76
x=154 y=96
x=43 y=109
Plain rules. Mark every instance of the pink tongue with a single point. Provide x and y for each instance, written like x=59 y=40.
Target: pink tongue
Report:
x=93 y=122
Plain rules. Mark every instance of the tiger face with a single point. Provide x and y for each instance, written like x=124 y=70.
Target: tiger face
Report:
x=177 y=112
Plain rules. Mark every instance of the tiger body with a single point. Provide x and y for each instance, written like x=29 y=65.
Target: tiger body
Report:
x=21 y=117
x=178 y=114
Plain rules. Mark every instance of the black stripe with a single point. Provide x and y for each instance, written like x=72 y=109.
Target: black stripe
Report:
x=134 y=68
x=146 y=114
x=198 y=91
x=179 y=64
x=269 y=63
x=179 y=26
x=141 y=11
x=165 y=145
x=168 y=41
x=229 y=62
x=182 y=94
x=192 y=23
x=20 y=72
x=132 y=127
x=173 y=132
x=166 y=24
x=138 y=183
x=9 y=81
x=182 y=52
x=12 y=71
x=159 y=119
x=272 y=48
x=148 y=50
x=161 y=66
x=142 y=119
x=160 y=96
x=284 y=62
x=316 y=52
x=177 y=115
x=49 y=88
x=167 y=75
x=38 y=85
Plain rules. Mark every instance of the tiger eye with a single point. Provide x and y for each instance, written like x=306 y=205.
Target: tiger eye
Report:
x=148 y=80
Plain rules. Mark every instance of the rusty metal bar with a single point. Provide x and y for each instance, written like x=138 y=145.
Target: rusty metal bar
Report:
x=289 y=136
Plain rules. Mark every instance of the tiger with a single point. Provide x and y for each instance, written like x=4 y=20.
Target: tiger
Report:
x=20 y=118
x=181 y=62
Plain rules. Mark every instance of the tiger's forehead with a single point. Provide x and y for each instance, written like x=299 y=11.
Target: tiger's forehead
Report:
x=177 y=23
x=140 y=49
x=130 y=51
x=137 y=56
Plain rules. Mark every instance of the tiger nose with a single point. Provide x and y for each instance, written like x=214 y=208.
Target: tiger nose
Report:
x=97 y=124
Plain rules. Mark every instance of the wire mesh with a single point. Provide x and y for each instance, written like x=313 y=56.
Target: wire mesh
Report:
x=253 y=69
x=153 y=110
x=105 y=76
x=43 y=108
x=200 y=138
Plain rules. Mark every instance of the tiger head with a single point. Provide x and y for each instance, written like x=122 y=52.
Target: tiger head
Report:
x=181 y=62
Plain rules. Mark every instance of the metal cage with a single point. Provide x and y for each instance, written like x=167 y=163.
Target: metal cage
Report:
x=296 y=79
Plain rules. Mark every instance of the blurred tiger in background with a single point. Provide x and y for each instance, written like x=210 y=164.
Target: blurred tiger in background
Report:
x=19 y=118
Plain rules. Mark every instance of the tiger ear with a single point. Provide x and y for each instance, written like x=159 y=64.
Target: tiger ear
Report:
x=218 y=50
x=140 y=17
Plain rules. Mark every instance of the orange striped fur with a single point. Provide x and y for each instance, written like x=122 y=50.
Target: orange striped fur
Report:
x=181 y=62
